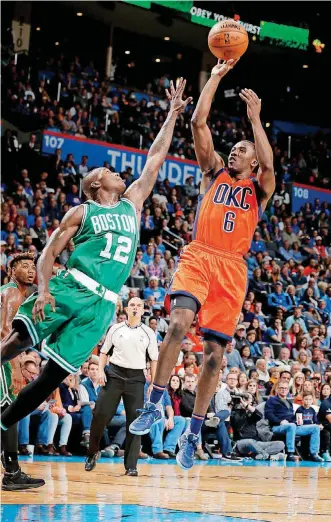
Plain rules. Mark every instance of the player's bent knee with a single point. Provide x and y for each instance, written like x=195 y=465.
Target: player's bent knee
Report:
x=213 y=361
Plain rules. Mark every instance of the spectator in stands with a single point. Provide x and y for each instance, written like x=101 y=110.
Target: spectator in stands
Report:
x=303 y=358
x=255 y=350
x=274 y=377
x=279 y=299
x=291 y=292
x=240 y=337
x=257 y=243
x=301 y=344
x=60 y=419
x=81 y=415
x=324 y=417
x=280 y=414
x=317 y=363
x=244 y=419
x=222 y=411
x=187 y=405
x=153 y=324
x=247 y=361
x=242 y=381
x=292 y=335
x=261 y=368
x=155 y=269
x=286 y=251
x=267 y=356
x=84 y=370
x=284 y=357
x=297 y=387
x=274 y=334
x=233 y=356
x=83 y=167
x=299 y=279
x=154 y=290
x=175 y=393
x=173 y=426
x=30 y=372
x=162 y=325
x=248 y=314
x=148 y=256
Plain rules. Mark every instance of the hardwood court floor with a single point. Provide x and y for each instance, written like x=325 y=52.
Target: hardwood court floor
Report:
x=213 y=491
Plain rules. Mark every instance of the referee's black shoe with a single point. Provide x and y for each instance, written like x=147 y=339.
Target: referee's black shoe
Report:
x=131 y=472
x=91 y=461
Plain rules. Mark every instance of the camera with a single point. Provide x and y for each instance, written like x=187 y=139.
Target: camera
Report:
x=236 y=397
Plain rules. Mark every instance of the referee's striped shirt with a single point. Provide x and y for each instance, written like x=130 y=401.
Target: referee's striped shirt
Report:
x=128 y=345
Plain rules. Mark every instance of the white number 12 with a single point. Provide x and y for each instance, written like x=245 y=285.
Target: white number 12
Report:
x=124 y=245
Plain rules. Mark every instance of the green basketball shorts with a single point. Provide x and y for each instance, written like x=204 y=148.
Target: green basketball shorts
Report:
x=83 y=312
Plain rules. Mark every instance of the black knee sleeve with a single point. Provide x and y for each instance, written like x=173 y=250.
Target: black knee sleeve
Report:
x=184 y=301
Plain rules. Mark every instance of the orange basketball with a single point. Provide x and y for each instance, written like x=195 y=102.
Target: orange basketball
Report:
x=228 y=39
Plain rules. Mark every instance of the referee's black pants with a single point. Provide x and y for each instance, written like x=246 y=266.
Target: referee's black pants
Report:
x=126 y=384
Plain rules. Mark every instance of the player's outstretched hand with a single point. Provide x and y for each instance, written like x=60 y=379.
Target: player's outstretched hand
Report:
x=223 y=67
x=253 y=104
x=42 y=300
x=175 y=96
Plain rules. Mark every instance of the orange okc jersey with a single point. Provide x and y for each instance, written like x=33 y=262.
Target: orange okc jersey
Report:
x=227 y=214
x=212 y=270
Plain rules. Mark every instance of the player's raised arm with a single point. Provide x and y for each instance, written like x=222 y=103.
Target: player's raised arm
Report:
x=58 y=240
x=141 y=189
x=203 y=141
x=266 y=176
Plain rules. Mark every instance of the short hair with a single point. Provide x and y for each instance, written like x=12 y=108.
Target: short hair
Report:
x=190 y=377
x=93 y=362
x=23 y=256
x=307 y=393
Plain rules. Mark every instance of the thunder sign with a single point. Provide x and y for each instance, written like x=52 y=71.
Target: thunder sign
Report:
x=174 y=169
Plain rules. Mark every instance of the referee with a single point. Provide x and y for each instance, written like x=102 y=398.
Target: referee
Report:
x=130 y=344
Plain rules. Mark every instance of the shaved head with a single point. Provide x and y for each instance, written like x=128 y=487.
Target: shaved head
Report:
x=102 y=180
x=91 y=177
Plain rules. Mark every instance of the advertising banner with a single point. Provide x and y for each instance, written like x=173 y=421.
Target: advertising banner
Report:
x=120 y=157
x=302 y=194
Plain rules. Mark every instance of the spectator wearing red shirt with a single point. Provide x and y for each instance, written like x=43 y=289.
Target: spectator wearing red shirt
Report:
x=320 y=248
x=312 y=267
x=175 y=393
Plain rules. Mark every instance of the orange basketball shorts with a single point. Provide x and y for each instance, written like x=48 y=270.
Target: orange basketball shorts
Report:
x=217 y=280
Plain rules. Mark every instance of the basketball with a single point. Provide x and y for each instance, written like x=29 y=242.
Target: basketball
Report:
x=228 y=39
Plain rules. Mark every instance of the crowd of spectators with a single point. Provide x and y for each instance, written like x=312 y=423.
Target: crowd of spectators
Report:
x=283 y=333
x=90 y=105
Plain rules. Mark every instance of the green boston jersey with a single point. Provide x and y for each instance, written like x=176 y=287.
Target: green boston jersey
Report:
x=6 y=390
x=106 y=243
x=11 y=284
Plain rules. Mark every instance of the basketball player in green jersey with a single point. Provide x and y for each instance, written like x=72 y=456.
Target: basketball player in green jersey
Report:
x=22 y=272
x=73 y=310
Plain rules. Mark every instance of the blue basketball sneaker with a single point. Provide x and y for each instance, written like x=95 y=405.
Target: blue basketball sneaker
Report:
x=150 y=414
x=187 y=447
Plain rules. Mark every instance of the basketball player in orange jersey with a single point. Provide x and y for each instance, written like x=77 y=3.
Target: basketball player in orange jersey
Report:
x=211 y=278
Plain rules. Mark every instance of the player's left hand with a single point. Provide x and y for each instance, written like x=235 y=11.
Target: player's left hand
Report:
x=253 y=104
x=177 y=104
